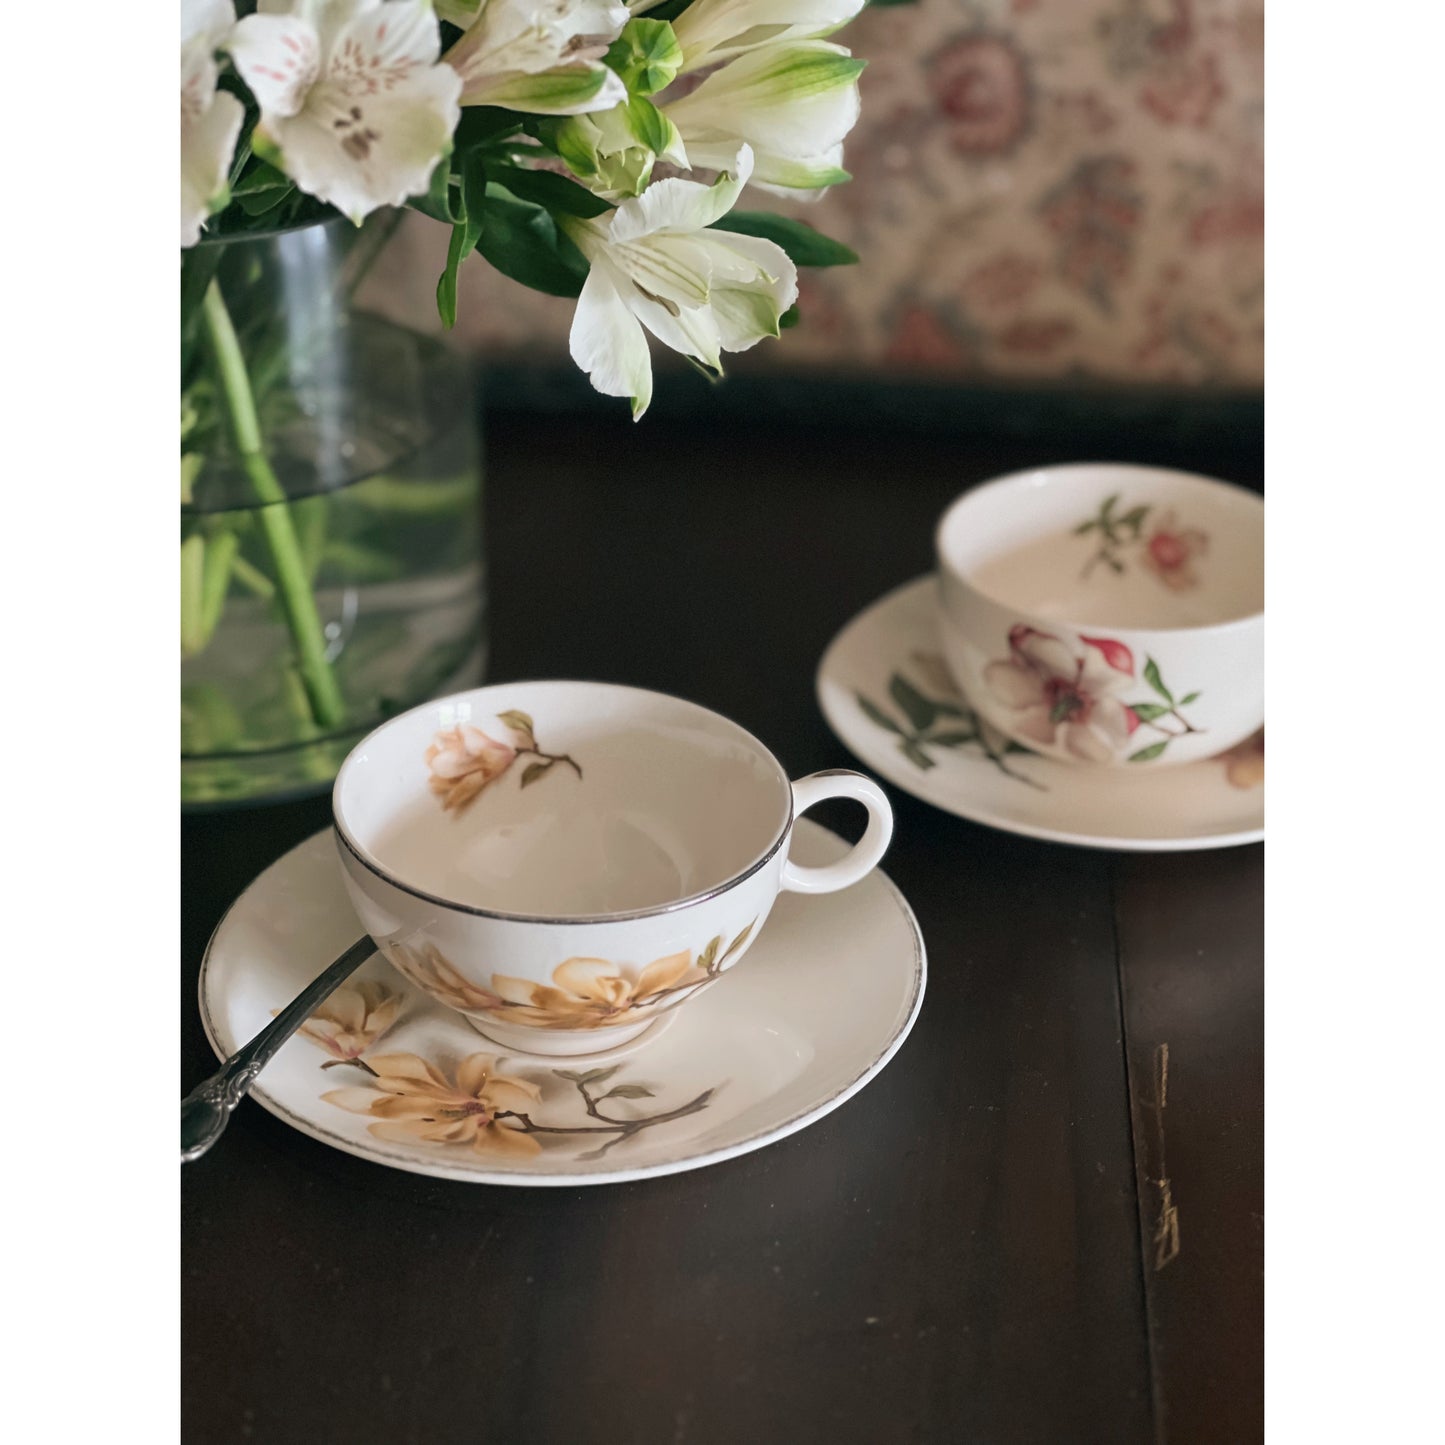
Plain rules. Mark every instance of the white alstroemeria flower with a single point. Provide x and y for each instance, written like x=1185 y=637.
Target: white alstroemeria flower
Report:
x=791 y=102
x=654 y=264
x=210 y=120
x=543 y=56
x=354 y=106
x=711 y=31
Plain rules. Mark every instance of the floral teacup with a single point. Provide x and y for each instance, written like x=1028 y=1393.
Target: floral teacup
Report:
x=1107 y=614
x=564 y=861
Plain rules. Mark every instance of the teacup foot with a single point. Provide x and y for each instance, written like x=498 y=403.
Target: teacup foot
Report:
x=525 y=1043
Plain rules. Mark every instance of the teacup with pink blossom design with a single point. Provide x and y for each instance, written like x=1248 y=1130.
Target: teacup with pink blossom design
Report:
x=566 y=862
x=1107 y=614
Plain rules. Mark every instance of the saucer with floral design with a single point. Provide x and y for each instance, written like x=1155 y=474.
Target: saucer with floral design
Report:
x=885 y=691
x=823 y=1000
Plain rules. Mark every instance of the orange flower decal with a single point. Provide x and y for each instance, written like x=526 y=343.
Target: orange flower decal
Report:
x=413 y=1101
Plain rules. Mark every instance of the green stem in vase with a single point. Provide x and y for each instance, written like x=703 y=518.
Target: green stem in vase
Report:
x=220 y=554
x=193 y=573
x=323 y=694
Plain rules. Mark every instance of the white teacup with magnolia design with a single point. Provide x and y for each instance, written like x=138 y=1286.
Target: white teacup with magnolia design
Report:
x=562 y=862
x=1107 y=614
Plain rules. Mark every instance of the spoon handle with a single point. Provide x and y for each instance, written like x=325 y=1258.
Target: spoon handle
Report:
x=207 y=1108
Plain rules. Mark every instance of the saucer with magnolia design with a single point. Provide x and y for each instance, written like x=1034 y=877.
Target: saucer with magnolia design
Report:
x=885 y=690
x=823 y=1000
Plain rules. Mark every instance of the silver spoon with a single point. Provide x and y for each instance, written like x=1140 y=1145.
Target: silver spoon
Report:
x=206 y=1110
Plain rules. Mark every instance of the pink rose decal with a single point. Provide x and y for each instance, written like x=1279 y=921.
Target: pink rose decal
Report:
x=1170 y=552
x=1064 y=697
x=1160 y=543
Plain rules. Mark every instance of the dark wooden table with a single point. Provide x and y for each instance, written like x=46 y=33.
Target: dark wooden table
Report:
x=1018 y=1232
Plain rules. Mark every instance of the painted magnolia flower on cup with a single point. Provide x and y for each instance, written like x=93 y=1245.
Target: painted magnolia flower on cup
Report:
x=413 y=1101
x=430 y=970
x=1066 y=698
x=353 y=1019
x=467 y=757
x=1170 y=550
x=355 y=107
x=543 y=56
x=655 y=264
x=463 y=760
x=591 y=993
x=210 y=119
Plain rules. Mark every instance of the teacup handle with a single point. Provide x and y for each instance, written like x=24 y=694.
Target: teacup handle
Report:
x=866 y=852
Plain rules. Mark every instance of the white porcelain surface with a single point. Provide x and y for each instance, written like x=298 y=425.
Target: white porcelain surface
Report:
x=560 y=861
x=826 y=997
x=886 y=664
x=1106 y=614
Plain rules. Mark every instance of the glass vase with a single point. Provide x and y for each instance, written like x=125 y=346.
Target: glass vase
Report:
x=331 y=563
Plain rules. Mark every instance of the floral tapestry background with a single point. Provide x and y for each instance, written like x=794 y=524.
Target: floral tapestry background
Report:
x=1042 y=189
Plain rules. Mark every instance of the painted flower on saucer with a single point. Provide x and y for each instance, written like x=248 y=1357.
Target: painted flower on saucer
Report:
x=412 y=1101
x=352 y=1020
x=494 y=1114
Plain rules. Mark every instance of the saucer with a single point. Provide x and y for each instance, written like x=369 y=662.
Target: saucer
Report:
x=885 y=691
x=822 y=1001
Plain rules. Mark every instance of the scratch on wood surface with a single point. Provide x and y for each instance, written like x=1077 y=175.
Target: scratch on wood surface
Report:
x=1166 y=1225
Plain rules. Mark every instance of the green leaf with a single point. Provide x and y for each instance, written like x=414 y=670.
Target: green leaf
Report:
x=522 y=241
x=628 y=1091
x=789 y=318
x=952 y=739
x=483 y=125
x=553 y=192
x=916 y=755
x=804 y=245
x=1084 y=527
x=1152 y=751
x=1151 y=676
x=1108 y=506
x=1134 y=519
x=465 y=233
x=877 y=714
x=261 y=189
x=738 y=942
x=519 y=722
x=592 y=1076
x=437 y=202
x=1148 y=711
x=1185 y=701
x=916 y=708
x=535 y=772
